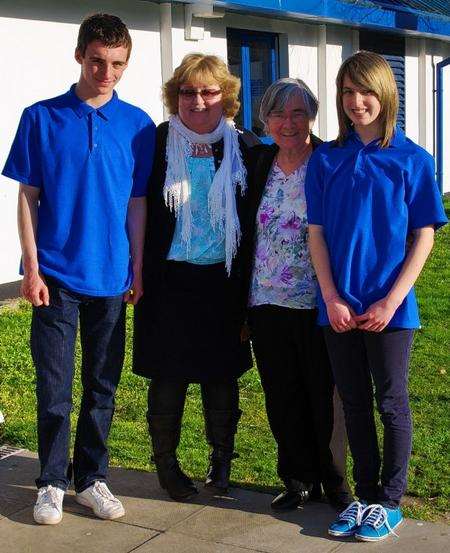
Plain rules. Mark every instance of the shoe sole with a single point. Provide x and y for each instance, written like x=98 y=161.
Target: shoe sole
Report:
x=215 y=489
x=341 y=534
x=380 y=538
x=47 y=522
x=286 y=509
x=184 y=497
x=85 y=503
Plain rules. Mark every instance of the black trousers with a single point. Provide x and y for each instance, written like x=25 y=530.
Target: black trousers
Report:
x=166 y=396
x=361 y=360
x=296 y=377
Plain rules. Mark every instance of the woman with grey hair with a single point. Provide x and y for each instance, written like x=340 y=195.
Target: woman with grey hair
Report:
x=288 y=345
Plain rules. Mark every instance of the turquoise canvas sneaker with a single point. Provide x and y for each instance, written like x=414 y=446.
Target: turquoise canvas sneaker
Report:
x=378 y=522
x=349 y=521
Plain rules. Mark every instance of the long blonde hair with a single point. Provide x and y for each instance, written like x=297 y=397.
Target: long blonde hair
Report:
x=372 y=72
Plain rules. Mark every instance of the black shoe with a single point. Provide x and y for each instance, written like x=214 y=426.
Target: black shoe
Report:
x=165 y=433
x=296 y=493
x=172 y=479
x=339 y=499
x=218 y=475
x=220 y=429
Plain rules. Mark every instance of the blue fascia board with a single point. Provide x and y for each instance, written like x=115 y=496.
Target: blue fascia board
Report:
x=348 y=13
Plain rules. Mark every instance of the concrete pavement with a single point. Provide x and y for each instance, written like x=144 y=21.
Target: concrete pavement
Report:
x=239 y=523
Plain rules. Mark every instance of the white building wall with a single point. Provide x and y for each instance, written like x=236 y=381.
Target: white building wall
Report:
x=446 y=141
x=38 y=58
x=339 y=48
x=41 y=38
x=299 y=52
x=422 y=56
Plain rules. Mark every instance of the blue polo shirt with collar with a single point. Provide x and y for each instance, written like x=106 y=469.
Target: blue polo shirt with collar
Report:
x=367 y=199
x=88 y=162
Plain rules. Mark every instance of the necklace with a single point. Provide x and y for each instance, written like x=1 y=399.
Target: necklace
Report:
x=201 y=150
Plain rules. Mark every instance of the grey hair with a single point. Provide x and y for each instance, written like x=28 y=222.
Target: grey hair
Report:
x=281 y=91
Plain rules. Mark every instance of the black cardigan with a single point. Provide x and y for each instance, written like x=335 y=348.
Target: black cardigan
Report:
x=160 y=229
x=261 y=160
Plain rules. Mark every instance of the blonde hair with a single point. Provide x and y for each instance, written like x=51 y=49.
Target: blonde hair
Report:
x=205 y=69
x=372 y=72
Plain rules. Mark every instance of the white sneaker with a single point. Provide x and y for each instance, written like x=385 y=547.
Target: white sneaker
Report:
x=101 y=501
x=48 y=508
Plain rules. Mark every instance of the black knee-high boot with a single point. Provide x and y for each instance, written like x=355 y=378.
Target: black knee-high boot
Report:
x=220 y=429
x=165 y=434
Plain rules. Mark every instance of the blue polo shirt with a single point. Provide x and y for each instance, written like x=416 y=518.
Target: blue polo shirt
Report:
x=367 y=199
x=88 y=163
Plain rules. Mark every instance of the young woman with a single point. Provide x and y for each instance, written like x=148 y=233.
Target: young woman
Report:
x=366 y=193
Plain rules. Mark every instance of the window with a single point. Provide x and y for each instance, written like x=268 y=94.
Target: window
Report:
x=253 y=57
x=392 y=48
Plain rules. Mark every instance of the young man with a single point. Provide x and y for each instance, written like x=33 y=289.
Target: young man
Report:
x=82 y=160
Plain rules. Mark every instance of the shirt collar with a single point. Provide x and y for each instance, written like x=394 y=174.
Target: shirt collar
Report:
x=82 y=108
x=397 y=140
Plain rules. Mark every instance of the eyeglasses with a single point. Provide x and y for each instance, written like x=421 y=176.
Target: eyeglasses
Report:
x=205 y=93
x=282 y=116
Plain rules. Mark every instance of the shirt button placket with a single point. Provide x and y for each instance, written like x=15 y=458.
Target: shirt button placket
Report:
x=94 y=121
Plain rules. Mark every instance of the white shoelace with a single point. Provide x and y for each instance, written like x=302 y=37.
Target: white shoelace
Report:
x=353 y=513
x=376 y=515
x=102 y=493
x=48 y=494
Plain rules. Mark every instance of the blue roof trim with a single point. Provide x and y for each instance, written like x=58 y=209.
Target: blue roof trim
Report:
x=440 y=7
x=361 y=13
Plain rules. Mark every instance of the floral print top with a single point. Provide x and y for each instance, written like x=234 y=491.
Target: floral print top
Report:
x=282 y=273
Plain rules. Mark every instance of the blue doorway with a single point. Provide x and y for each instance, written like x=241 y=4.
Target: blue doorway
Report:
x=253 y=57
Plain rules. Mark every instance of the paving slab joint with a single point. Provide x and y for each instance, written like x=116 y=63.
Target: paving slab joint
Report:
x=144 y=542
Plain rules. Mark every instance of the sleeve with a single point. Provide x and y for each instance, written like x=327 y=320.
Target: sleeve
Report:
x=24 y=162
x=314 y=190
x=144 y=152
x=422 y=195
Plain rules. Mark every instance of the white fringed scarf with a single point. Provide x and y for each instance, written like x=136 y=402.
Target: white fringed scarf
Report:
x=221 y=196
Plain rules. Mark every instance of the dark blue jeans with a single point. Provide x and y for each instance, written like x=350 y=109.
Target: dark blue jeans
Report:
x=53 y=335
x=358 y=358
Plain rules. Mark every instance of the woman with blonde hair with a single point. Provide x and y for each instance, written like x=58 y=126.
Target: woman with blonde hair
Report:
x=187 y=325
x=366 y=192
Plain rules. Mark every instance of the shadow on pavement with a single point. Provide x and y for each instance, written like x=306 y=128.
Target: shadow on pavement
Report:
x=144 y=499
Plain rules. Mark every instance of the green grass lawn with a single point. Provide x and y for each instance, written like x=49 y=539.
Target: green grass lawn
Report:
x=429 y=476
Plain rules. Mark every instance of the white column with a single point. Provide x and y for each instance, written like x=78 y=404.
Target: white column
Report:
x=165 y=26
x=412 y=89
x=422 y=92
x=322 y=80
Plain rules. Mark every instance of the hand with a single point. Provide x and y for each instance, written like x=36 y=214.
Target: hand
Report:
x=340 y=314
x=34 y=289
x=377 y=316
x=136 y=290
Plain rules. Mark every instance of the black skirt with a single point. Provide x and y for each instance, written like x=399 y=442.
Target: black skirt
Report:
x=187 y=325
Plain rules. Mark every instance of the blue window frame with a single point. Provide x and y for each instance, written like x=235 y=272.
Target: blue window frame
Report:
x=253 y=57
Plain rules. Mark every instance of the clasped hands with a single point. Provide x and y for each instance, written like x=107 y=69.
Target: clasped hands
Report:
x=376 y=317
